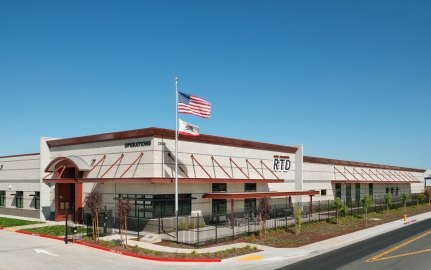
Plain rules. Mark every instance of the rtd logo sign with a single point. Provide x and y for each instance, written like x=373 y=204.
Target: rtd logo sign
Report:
x=281 y=164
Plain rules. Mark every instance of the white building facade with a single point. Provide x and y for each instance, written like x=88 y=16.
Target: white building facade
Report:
x=215 y=174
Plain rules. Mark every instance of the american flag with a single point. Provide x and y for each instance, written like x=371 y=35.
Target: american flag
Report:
x=193 y=105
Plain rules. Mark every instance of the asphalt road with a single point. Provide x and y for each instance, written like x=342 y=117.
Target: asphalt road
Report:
x=405 y=248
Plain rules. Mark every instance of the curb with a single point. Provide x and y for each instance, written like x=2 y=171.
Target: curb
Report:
x=125 y=253
x=40 y=235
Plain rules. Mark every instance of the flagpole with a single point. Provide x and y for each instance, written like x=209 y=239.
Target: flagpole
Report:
x=176 y=154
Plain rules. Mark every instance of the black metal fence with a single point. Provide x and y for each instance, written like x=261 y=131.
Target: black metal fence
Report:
x=200 y=230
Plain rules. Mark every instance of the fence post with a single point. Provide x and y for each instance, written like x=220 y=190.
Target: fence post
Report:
x=105 y=222
x=328 y=209
x=320 y=210
x=198 y=228
x=233 y=224
x=65 y=239
x=275 y=217
x=159 y=225
x=139 y=227
x=216 y=223
x=248 y=221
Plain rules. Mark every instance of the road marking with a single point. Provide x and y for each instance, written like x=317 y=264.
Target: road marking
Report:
x=249 y=258
x=38 y=251
x=380 y=257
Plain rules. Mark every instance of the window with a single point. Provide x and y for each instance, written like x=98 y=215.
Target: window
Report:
x=387 y=190
x=396 y=191
x=37 y=200
x=219 y=208
x=392 y=190
x=159 y=205
x=19 y=199
x=250 y=187
x=323 y=192
x=2 y=197
x=348 y=192
x=370 y=189
x=217 y=187
x=338 y=190
x=357 y=192
x=249 y=207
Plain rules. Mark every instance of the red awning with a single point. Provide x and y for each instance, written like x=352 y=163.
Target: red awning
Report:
x=354 y=181
x=253 y=195
x=160 y=180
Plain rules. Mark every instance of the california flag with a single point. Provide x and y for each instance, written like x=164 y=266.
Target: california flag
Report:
x=188 y=129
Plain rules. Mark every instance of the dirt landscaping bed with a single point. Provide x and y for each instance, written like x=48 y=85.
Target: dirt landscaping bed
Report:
x=317 y=231
x=115 y=246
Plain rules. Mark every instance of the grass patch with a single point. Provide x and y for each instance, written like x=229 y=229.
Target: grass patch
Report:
x=57 y=230
x=13 y=222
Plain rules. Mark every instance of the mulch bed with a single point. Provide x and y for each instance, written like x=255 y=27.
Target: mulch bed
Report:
x=116 y=247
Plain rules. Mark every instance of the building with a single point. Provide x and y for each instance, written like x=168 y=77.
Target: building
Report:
x=216 y=174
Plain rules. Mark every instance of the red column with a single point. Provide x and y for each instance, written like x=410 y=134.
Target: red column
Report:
x=78 y=202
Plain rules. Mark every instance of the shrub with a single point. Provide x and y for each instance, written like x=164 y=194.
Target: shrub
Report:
x=297 y=213
x=338 y=204
x=388 y=200
x=419 y=198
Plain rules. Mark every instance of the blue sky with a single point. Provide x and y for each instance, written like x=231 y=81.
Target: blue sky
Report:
x=348 y=79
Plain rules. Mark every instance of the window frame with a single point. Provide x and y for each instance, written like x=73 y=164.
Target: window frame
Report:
x=19 y=199
x=2 y=198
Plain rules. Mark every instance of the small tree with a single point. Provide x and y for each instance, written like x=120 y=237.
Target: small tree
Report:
x=366 y=203
x=388 y=200
x=404 y=198
x=124 y=207
x=94 y=205
x=419 y=198
x=265 y=211
x=297 y=213
x=339 y=205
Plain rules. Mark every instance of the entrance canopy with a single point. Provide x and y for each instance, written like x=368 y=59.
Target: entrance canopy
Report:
x=74 y=161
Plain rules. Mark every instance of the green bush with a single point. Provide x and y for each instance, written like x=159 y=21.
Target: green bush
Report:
x=297 y=213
